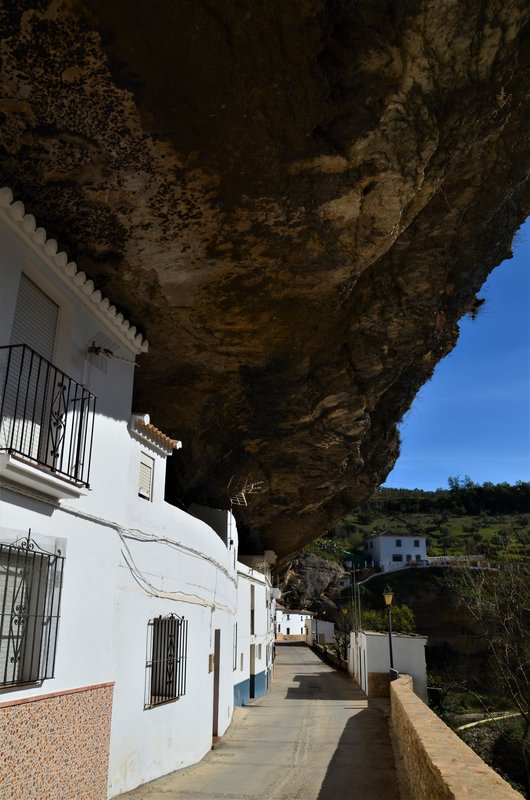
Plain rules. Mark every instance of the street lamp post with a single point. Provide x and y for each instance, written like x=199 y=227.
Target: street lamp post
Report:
x=389 y=596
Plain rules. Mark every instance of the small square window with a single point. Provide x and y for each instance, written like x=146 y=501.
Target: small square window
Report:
x=416 y=542
x=398 y=542
x=167 y=643
x=145 y=481
x=397 y=557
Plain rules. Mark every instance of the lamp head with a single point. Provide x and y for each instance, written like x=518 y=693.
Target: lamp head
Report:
x=388 y=594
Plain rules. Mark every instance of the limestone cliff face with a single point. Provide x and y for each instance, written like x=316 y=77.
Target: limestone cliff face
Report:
x=295 y=201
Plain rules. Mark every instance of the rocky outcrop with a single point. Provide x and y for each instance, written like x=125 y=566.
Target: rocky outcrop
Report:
x=310 y=582
x=295 y=202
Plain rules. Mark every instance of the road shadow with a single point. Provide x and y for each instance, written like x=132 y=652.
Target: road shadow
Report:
x=328 y=685
x=362 y=766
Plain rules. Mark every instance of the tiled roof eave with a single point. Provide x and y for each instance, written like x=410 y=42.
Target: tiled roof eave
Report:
x=25 y=225
x=141 y=426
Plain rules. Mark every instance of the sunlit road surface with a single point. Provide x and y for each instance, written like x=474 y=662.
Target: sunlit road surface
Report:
x=315 y=736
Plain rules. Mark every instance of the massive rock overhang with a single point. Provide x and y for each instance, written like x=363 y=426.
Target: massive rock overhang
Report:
x=294 y=201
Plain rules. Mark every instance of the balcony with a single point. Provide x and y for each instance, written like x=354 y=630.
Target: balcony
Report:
x=46 y=424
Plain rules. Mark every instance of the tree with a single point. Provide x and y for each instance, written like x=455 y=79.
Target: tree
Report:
x=499 y=601
x=402 y=620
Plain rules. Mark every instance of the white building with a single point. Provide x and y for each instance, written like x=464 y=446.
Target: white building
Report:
x=369 y=661
x=253 y=635
x=391 y=551
x=320 y=631
x=292 y=624
x=117 y=610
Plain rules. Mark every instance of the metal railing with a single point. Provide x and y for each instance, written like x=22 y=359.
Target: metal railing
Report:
x=45 y=416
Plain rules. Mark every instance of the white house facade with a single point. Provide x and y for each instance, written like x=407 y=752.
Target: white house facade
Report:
x=391 y=551
x=253 y=635
x=292 y=624
x=118 y=610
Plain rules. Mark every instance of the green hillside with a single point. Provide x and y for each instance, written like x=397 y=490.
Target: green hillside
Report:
x=492 y=520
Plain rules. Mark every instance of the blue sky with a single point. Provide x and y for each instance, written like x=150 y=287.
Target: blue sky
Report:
x=473 y=417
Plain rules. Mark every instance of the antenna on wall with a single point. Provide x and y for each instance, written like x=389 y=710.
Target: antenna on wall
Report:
x=101 y=351
x=239 y=488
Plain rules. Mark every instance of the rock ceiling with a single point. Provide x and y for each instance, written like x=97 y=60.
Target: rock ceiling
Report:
x=295 y=201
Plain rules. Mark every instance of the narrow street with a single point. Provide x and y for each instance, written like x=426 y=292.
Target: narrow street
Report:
x=315 y=736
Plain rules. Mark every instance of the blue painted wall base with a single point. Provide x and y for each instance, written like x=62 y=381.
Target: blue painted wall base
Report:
x=253 y=687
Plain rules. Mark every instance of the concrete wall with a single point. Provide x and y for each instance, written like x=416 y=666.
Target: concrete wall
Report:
x=435 y=763
x=320 y=630
x=369 y=661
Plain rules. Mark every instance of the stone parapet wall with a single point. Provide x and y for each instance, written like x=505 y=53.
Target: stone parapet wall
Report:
x=435 y=763
x=56 y=747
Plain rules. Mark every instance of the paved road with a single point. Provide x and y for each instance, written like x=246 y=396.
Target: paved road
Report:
x=315 y=736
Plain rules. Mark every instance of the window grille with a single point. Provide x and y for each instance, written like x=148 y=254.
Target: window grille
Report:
x=416 y=542
x=398 y=542
x=30 y=597
x=397 y=557
x=145 y=485
x=167 y=644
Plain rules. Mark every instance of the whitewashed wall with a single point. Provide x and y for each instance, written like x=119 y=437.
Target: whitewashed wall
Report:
x=369 y=652
x=320 y=630
x=127 y=560
x=261 y=639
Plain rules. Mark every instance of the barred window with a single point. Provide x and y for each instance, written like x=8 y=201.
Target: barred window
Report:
x=30 y=596
x=167 y=642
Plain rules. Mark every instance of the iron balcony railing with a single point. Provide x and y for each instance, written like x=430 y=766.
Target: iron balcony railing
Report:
x=45 y=416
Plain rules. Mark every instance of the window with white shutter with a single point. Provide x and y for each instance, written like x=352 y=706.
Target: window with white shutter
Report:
x=145 y=487
x=35 y=319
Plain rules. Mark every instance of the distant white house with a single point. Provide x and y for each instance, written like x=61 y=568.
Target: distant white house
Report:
x=320 y=631
x=292 y=624
x=391 y=551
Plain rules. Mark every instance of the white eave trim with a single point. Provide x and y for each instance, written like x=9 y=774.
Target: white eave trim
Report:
x=25 y=225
